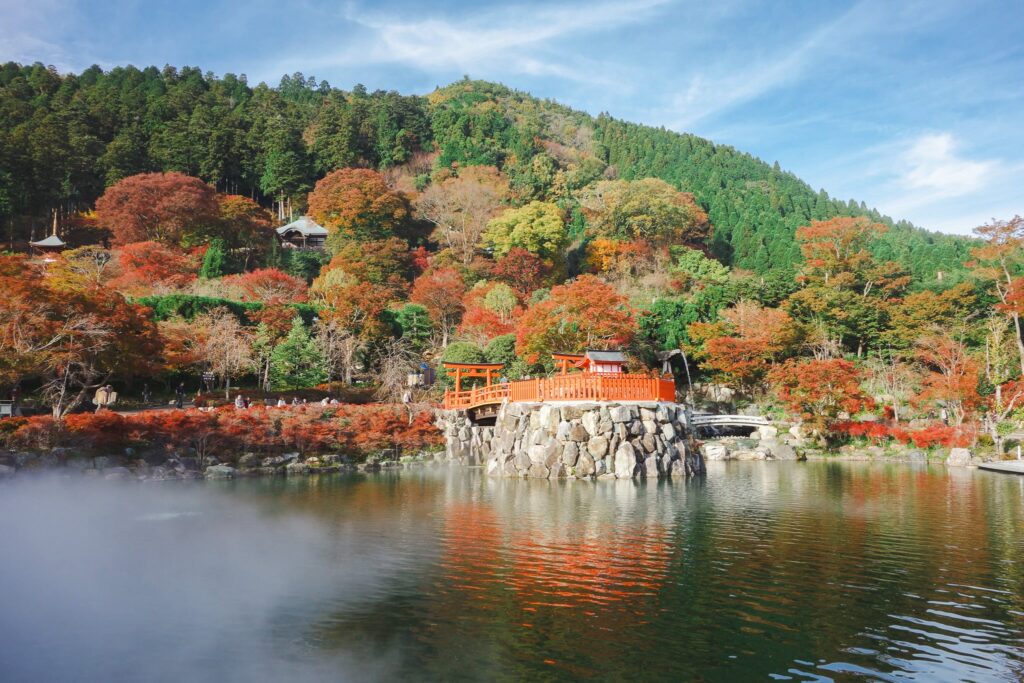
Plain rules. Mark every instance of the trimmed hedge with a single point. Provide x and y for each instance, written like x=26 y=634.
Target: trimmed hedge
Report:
x=188 y=306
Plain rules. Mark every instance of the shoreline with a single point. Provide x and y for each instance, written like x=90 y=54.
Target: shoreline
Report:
x=250 y=465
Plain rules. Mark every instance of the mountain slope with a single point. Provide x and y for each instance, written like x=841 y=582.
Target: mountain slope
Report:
x=64 y=137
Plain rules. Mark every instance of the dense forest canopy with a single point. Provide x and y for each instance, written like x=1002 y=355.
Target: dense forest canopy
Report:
x=64 y=138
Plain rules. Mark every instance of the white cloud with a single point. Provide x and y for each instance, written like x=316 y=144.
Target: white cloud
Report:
x=514 y=39
x=932 y=165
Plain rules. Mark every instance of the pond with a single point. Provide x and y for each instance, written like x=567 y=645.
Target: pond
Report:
x=786 y=571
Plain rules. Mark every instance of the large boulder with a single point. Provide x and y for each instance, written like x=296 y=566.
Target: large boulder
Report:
x=249 y=460
x=959 y=457
x=570 y=453
x=591 y=421
x=620 y=414
x=597 y=447
x=585 y=466
x=114 y=473
x=715 y=450
x=781 y=451
x=572 y=413
x=296 y=468
x=578 y=433
x=538 y=471
x=494 y=467
x=625 y=461
x=220 y=472
x=767 y=432
x=651 y=467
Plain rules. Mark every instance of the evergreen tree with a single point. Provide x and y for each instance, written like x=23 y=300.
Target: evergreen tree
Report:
x=296 y=362
x=213 y=260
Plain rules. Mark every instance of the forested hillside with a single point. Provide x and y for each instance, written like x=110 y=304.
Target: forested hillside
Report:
x=65 y=138
x=476 y=224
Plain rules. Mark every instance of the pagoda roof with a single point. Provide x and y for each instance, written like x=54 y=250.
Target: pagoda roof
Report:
x=51 y=241
x=305 y=226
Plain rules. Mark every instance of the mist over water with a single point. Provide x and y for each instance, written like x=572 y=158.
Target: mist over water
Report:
x=799 y=571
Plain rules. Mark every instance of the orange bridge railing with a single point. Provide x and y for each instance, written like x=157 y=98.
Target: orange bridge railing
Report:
x=571 y=387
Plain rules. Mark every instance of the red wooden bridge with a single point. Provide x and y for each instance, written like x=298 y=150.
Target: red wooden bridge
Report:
x=601 y=379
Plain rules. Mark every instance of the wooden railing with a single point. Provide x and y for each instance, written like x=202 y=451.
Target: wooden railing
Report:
x=574 y=387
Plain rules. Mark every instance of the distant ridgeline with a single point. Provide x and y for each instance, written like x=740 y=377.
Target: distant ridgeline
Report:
x=63 y=138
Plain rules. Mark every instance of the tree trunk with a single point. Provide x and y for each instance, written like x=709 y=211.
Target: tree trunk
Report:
x=1020 y=343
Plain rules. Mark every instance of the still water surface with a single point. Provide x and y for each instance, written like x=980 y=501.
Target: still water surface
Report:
x=786 y=571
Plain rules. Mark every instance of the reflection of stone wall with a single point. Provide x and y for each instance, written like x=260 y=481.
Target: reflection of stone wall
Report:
x=582 y=440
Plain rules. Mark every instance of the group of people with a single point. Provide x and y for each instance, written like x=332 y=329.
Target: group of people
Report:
x=242 y=402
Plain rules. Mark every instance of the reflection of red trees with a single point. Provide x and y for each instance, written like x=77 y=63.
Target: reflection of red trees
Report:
x=599 y=571
x=557 y=570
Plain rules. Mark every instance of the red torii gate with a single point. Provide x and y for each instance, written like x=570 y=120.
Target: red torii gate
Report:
x=462 y=370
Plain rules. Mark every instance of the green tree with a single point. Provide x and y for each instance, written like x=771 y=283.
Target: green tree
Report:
x=296 y=362
x=213 y=260
x=414 y=325
x=537 y=227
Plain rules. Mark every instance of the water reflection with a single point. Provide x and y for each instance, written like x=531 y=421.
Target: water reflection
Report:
x=785 y=570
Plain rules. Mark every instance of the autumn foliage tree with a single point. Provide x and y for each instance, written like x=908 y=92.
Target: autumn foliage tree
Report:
x=162 y=207
x=524 y=271
x=583 y=314
x=491 y=309
x=71 y=340
x=153 y=267
x=357 y=204
x=648 y=209
x=460 y=207
x=819 y=390
x=441 y=291
x=245 y=227
x=999 y=261
x=268 y=285
x=952 y=374
x=741 y=348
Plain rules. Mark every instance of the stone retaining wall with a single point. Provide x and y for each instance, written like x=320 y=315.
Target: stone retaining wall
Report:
x=582 y=440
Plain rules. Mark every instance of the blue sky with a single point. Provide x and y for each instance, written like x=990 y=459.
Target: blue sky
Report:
x=914 y=107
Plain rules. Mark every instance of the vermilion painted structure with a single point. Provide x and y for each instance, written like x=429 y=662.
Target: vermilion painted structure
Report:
x=601 y=379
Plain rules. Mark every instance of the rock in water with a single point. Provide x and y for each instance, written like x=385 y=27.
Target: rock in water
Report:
x=959 y=457
x=220 y=472
x=625 y=461
x=714 y=450
x=585 y=466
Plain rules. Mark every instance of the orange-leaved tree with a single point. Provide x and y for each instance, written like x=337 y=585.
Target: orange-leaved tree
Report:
x=268 y=285
x=951 y=381
x=357 y=203
x=245 y=227
x=153 y=268
x=583 y=314
x=441 y=290
x=162 y=207
x=742 y=347
x=819 y=390
x=1000 y=261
